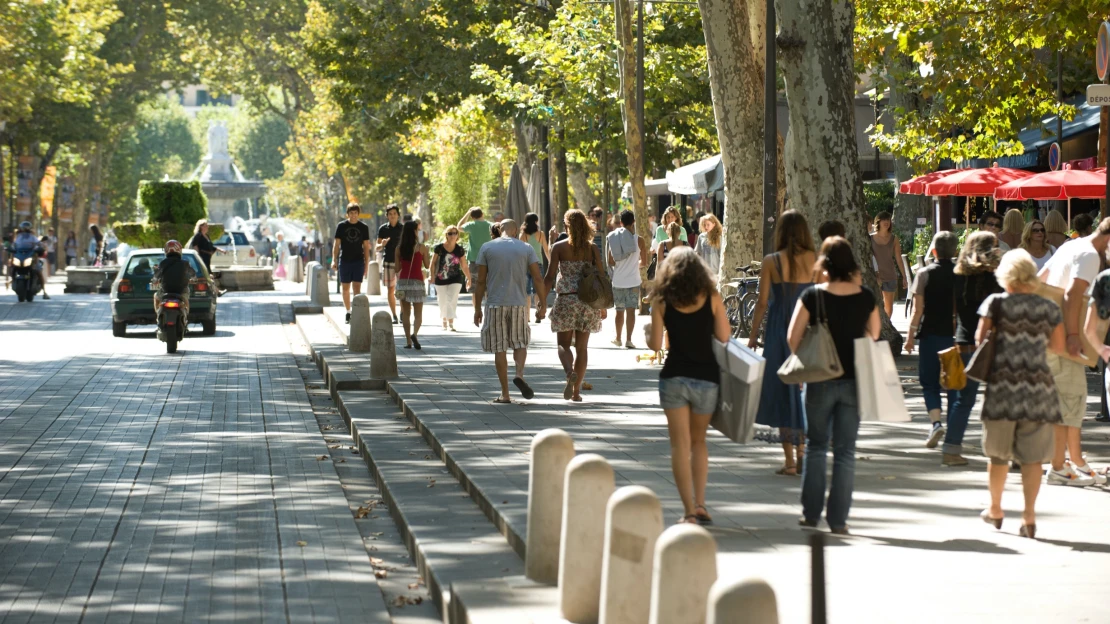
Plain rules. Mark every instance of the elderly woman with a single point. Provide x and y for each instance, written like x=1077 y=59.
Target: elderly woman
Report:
x=932 y=325
x=1021 y=403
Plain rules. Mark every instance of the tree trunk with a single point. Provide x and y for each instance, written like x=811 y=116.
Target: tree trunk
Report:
x=633 y=140
x=584 y=197
x=523 y=135
x=734 y=34
x=562 y=199
x=822 y=166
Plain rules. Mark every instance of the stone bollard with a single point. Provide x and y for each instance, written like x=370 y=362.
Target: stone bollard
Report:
x=383 y=351
x=633 y=522
x=684 y=570
x=374 y=279
x=587 y=487
x=552 y=450
x=360 y=324
x=737 y=601
x=319 y=283
x=308 y=269
x=293 y=271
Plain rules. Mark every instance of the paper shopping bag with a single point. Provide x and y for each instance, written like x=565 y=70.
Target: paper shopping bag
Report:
x=877 y=384
x=740 y=388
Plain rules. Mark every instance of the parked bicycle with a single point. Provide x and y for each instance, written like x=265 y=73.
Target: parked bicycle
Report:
x=740 y=305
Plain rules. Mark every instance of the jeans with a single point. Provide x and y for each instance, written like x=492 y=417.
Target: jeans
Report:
x=928 y=369
x=959 y=412
x=831 y=406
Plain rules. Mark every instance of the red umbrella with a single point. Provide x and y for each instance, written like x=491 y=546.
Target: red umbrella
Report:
x=1063 y=184
x=916 y=186
x=975 y=182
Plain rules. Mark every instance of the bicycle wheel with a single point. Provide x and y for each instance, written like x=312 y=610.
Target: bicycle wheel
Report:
x=747 y=304
x=733 y=312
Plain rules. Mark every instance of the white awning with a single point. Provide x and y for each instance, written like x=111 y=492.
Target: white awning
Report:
x=653 y=188
x=700 y=178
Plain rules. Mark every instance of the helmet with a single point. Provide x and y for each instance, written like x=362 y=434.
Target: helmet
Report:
x=25 y=226
x=173 y=247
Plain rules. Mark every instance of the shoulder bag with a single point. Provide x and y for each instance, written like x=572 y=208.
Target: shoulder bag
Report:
x=979 y=366
x=816 y=358
x=595 y=289
x=952 y=375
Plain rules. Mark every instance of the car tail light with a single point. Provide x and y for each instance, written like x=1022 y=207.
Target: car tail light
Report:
x=171 y=304
x=252 y=252
x=201 y=287
x=124 y=286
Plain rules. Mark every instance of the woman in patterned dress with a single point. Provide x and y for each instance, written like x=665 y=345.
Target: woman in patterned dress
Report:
x=1021 y=403
x=572 y=320
x=414 y=258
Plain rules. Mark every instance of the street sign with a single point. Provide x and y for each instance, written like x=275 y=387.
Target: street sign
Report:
x=1054 y=156
x=1102 y=51
x=1098 y=95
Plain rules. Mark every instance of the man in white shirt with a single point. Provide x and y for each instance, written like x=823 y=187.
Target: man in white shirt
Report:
x=627 y=252
x=1073 y=268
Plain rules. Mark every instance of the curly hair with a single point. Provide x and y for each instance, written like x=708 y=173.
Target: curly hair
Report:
x=579 y=230
x=682 y=279
x=980 y=254
x=714 y=233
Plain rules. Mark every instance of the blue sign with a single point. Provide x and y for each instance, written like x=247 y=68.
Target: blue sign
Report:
x=1054 y=156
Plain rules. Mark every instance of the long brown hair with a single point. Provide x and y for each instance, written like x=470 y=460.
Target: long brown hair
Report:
x=714 y=233
x=674 y=232
x=682 y=279
x=793 y=239
x=579 y=231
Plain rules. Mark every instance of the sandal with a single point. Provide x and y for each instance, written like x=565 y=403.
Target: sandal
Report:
x=986 y=516
x=501 y=401
x=688 y=519
x=702 y=515
x=787 y=471
x=1028 y=530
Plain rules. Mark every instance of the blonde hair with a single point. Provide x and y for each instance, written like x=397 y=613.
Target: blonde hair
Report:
x=1017 y=269
x=1027 y=234
x=200 y=223
x=980 y=254
x=674 y=231
x=579 y=231
x=1013 y=222
x=714 y=233
x=449 y=229
x=1054 y=223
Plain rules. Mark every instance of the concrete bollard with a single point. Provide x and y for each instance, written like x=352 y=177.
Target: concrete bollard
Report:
x=552 y=450
x=587 y=487
x=374 y=279
x=319 y=283
x=685 y=568
x=383 y=351
x=739 y=601
x=633 y=522
x=308 y=277
x=360 y=324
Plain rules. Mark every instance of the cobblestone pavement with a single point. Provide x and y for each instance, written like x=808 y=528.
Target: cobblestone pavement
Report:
x=919 y=552
x=139 y=486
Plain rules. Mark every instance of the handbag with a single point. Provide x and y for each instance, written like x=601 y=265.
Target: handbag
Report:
x=1088 y=355
x=740 y=389
x=878 y=386
x=651 y=267
x=595 y=289
x=952 y=375
x=816 y=358
x=979 y=366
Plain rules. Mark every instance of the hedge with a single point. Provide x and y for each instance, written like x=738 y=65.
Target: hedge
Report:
x=173 y=202
x=150 y=235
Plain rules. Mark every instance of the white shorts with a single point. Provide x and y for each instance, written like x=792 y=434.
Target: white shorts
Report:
x=505 y=329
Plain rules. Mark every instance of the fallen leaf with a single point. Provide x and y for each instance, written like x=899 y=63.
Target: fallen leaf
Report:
x=408 y=428
x=399 y=602
x=381 y=574
x=321 y=458
x=427 y=457
x=374 y=561
x=415 y=601
x=888 y=477
x=414 y=585
x=504 y=502
x=378 y=534
x=302 y=544
x=864 y=458
x=333 y=446
x=341 y=461
x=354 y=452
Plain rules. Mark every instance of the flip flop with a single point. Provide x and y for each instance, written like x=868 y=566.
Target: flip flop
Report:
x=501 y=401
x=787 y=471
x=525 y=389
x=568 y=390
x=703 y=517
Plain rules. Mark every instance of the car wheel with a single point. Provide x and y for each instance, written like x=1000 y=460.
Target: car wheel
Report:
x=119 y=330
x=209 y=328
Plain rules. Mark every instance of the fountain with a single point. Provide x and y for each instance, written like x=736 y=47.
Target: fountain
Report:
x=222 y=181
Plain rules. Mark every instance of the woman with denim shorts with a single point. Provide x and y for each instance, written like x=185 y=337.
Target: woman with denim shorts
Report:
x=886 y=253
x=832 y=406
x=686 y=304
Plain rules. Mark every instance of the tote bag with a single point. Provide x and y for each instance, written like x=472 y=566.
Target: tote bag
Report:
x=816 y=358
x=877 y=384
x=740 y=389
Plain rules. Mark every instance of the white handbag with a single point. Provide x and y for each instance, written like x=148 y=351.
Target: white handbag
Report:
x=740 y=389
x=878 y=386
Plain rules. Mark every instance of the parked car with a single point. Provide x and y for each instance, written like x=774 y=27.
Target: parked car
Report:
x=132 y=297
x=240 y=251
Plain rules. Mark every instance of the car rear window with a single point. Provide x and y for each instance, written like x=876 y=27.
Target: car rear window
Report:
x=240 y=239
x=143 y=266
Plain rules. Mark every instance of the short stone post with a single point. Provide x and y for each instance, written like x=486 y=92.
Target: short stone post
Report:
x=633 y=522
x=319 y=282
x=587 y=487
x=293 y=269
x=552 y=450
x=742 y=601
x=685 y=568
x=360 y=324
x=308 y=277
x=374 y=279
x=383 y=351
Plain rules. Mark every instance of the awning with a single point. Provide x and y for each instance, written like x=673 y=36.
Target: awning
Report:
x=700 y=178
x=654 y=188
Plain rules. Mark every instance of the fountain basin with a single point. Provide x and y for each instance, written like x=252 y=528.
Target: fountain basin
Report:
x=244 y=278
x=90 y=279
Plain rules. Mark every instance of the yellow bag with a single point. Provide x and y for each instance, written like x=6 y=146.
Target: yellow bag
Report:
x=952 y=376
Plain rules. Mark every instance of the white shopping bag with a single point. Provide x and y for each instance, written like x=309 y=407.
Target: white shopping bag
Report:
x=740 y=389
x=877 y=383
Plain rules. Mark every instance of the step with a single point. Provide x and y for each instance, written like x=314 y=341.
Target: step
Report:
x=342 y=369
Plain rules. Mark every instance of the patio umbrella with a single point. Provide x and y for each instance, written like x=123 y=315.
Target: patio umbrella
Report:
x=916 y=186
x=535 y=190
x=974 y=183
x=1064 y=184
x=516 y=200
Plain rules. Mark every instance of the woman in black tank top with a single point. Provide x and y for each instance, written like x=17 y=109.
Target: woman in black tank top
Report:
x=685 y=303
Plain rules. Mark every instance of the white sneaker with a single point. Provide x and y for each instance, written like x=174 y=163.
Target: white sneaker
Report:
x=1088 y=471
x=629 y=345
x=616 y=341
x=1068 y=476
x=935 y=435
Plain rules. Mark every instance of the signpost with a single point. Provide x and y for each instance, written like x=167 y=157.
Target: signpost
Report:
x=1054 y=156
x=1101 y=97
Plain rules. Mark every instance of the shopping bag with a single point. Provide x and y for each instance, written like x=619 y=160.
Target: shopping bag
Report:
x=877 y=384
x=1088 y=354
x=740 y=388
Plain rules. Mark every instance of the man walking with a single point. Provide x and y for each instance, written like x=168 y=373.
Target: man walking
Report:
x=389 y=237
x=351 y=254
x=478 y=232
x=1073 y=268
x=504 y=265
x=627 y=253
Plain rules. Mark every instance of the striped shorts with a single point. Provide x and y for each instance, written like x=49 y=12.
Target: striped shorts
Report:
x=505 y=329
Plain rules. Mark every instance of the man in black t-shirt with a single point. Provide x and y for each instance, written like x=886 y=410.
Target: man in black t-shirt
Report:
x=389 y=238
x=351 y=254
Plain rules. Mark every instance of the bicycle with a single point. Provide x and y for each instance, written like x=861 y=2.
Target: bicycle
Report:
x=740 y=305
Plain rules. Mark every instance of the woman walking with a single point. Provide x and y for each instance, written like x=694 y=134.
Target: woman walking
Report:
x=1056 y=228
x=1034 y=241
x=663 y=232
x=282 y=256
x=708 y=245
x=973 y=282
x=1021 y=405
x=71 y=249
x=832 y=406
x=450 y=266
x=887 y=252
x=1013 y=224
x=675 y=240
x=410 y=282
x=685 y=303
x=96 y=245
x=784 y=276
x=571 y=319
x=532 y=235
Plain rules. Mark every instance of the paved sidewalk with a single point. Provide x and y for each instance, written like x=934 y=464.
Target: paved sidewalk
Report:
x=919 y=552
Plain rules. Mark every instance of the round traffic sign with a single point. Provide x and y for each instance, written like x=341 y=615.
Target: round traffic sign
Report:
x=1102 y=51
x=1054 y=156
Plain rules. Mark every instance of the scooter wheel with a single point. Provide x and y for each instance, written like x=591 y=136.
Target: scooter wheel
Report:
x=171 y=344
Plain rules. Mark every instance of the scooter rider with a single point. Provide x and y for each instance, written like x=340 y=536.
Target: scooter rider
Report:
x=27 y=243
x=172 y=277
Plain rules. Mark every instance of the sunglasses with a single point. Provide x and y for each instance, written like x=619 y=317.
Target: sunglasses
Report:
x=993 y=224
x=1038 y=230
x=452 y=233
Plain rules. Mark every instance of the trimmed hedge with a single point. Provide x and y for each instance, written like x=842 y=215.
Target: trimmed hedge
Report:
x=145 y=235
x=173 y=202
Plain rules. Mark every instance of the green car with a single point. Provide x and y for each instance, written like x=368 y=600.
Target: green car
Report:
x=133 y=297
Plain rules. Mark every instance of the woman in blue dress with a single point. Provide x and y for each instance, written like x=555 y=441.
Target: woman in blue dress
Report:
x=785 y=274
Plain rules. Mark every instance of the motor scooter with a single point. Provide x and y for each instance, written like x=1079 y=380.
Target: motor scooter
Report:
x=25 y=282
x=172 y=322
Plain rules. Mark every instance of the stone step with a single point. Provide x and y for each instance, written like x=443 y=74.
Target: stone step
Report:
x=342 y=369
